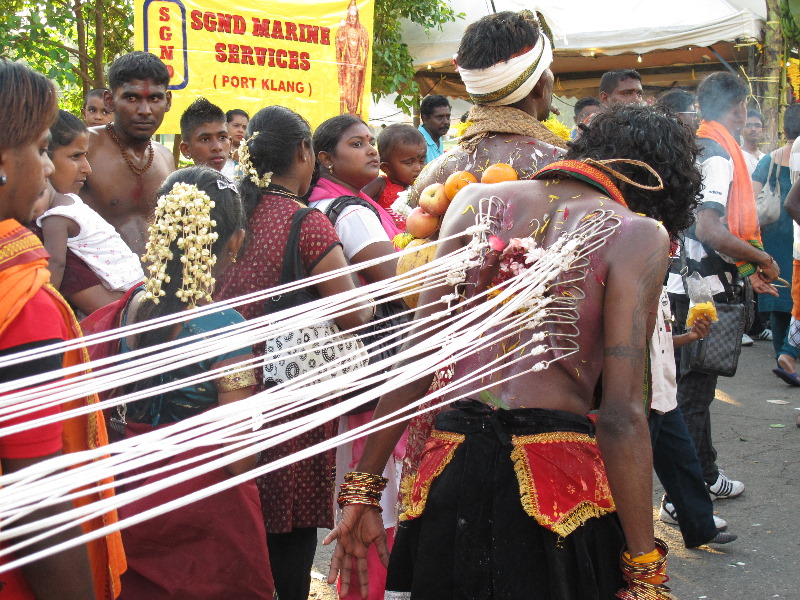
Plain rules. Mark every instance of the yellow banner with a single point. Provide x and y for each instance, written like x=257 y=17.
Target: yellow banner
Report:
x=310 y=56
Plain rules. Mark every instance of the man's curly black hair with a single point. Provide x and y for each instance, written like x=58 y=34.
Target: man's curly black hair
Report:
x=657 y=138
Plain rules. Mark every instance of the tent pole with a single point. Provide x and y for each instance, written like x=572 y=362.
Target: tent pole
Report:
x=723 y=61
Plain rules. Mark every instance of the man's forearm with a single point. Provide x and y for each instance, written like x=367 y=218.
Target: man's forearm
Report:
x=717 y=236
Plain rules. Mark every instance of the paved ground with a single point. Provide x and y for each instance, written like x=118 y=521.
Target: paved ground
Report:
x=759 y=444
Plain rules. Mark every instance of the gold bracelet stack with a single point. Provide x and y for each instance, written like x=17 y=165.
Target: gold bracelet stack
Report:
x=646 y=580
x=362 y=488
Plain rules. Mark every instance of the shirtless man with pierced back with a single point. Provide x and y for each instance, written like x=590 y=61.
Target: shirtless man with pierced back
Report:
x=127 y=166
x=472 y=487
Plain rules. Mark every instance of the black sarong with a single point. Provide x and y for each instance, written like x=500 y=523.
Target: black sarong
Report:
x=474 y=540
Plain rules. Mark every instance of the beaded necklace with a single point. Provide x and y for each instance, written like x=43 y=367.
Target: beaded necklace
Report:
x=279 y=190
x=136 y=170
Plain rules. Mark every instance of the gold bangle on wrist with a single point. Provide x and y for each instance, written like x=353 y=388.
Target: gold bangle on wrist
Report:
x=646 y=575
x=362 y=488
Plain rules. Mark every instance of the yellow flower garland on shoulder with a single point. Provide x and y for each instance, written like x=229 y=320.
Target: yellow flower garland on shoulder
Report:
x=183 y=214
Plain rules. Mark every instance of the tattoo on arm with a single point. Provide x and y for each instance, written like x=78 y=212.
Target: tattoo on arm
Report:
x=629 y=353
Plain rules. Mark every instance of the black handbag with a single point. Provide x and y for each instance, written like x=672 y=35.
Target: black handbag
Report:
x=292 y=270
x=718 y=353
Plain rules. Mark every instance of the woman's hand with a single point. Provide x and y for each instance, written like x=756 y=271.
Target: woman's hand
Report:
x=360 y=526
x=760 y=286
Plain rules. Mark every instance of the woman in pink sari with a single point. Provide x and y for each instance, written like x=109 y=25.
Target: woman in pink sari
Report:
x=347 y=160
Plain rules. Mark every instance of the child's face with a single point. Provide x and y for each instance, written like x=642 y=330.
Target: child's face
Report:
x=209 y=145
x=96 y=113
x=237 y=127
x=404 y=163
x=71 y=165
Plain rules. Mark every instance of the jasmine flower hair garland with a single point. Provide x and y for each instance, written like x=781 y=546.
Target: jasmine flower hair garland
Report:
x=246 y=164
x=183 y=214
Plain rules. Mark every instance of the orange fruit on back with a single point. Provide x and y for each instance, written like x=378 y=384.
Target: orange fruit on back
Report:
x=499 y=172
x=456 y=181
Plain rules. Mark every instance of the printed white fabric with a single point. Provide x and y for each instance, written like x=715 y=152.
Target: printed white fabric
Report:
x=100 y=246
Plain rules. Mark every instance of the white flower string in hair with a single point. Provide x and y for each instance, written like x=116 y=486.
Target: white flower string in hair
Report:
x=246 y=165
x=183 y=214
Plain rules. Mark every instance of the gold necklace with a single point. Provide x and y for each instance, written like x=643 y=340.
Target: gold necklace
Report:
x=136 y=170
x=276 y=190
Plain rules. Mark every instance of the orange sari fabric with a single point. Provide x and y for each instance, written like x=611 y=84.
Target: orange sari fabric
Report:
x=23 y=272
x=742 y=215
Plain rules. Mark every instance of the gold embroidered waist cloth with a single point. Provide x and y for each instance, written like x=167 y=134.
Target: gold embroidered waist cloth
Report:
x=561 y=476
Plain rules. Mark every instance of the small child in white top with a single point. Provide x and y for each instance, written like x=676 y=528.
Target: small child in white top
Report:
x=69 y=224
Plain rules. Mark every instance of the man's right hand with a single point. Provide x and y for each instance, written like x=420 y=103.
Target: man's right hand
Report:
x=360 y=527
x=770 y=272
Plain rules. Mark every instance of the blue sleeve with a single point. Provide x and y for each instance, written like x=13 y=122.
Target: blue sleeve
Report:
x=210 y=323
x=232 y=317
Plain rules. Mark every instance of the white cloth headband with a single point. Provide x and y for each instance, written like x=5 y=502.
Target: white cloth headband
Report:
x=510 y=81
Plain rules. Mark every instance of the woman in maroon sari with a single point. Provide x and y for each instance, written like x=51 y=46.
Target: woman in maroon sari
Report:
x=213 y=548
x=278 y=164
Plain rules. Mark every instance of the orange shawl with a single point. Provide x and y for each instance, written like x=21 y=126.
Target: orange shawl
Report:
x=23 y=272
x=742 y=216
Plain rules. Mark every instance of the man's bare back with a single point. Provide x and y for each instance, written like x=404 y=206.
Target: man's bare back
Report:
x=622 y=279
x=122 y=198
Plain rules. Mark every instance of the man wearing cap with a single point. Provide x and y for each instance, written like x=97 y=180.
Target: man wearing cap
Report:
x=511 y=86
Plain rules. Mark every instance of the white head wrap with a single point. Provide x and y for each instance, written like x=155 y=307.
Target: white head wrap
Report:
x=510 y=81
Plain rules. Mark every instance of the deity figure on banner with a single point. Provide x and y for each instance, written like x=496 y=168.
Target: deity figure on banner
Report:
x=352 y=52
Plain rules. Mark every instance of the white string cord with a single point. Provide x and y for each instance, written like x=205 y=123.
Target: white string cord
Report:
x=459 y=336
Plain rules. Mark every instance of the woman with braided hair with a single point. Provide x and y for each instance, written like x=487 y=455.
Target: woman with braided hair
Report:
x=277 y=163
x=215 y=547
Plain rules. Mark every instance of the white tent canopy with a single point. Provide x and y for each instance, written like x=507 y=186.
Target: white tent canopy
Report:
x=610 y=28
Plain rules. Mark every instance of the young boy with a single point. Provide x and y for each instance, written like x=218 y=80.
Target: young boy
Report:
x=94 y=110
x=686 y=502
x=402 y=153
x=204 y=135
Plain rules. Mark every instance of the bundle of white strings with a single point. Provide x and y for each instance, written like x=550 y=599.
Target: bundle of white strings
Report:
x=227 y=433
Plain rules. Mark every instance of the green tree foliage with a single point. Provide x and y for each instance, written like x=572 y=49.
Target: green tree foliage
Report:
x=71 y=41
x=392 y=69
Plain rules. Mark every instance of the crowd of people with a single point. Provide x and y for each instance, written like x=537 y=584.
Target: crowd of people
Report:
x=527 y=478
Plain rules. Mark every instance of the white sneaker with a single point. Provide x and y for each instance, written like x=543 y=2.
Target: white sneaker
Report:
x=725 y=487
x=670 y=515
x=765 y=335
x=747 y=340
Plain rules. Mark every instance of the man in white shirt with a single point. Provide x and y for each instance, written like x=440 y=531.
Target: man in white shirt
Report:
x=752 y=136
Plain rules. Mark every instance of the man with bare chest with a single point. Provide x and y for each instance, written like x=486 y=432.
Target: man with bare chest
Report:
x=127 y=166
x=520 y=494
x=504 y=60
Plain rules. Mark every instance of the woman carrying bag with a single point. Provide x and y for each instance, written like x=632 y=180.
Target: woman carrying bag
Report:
x=347 y=160
x=773 y=172
x=277 y=162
